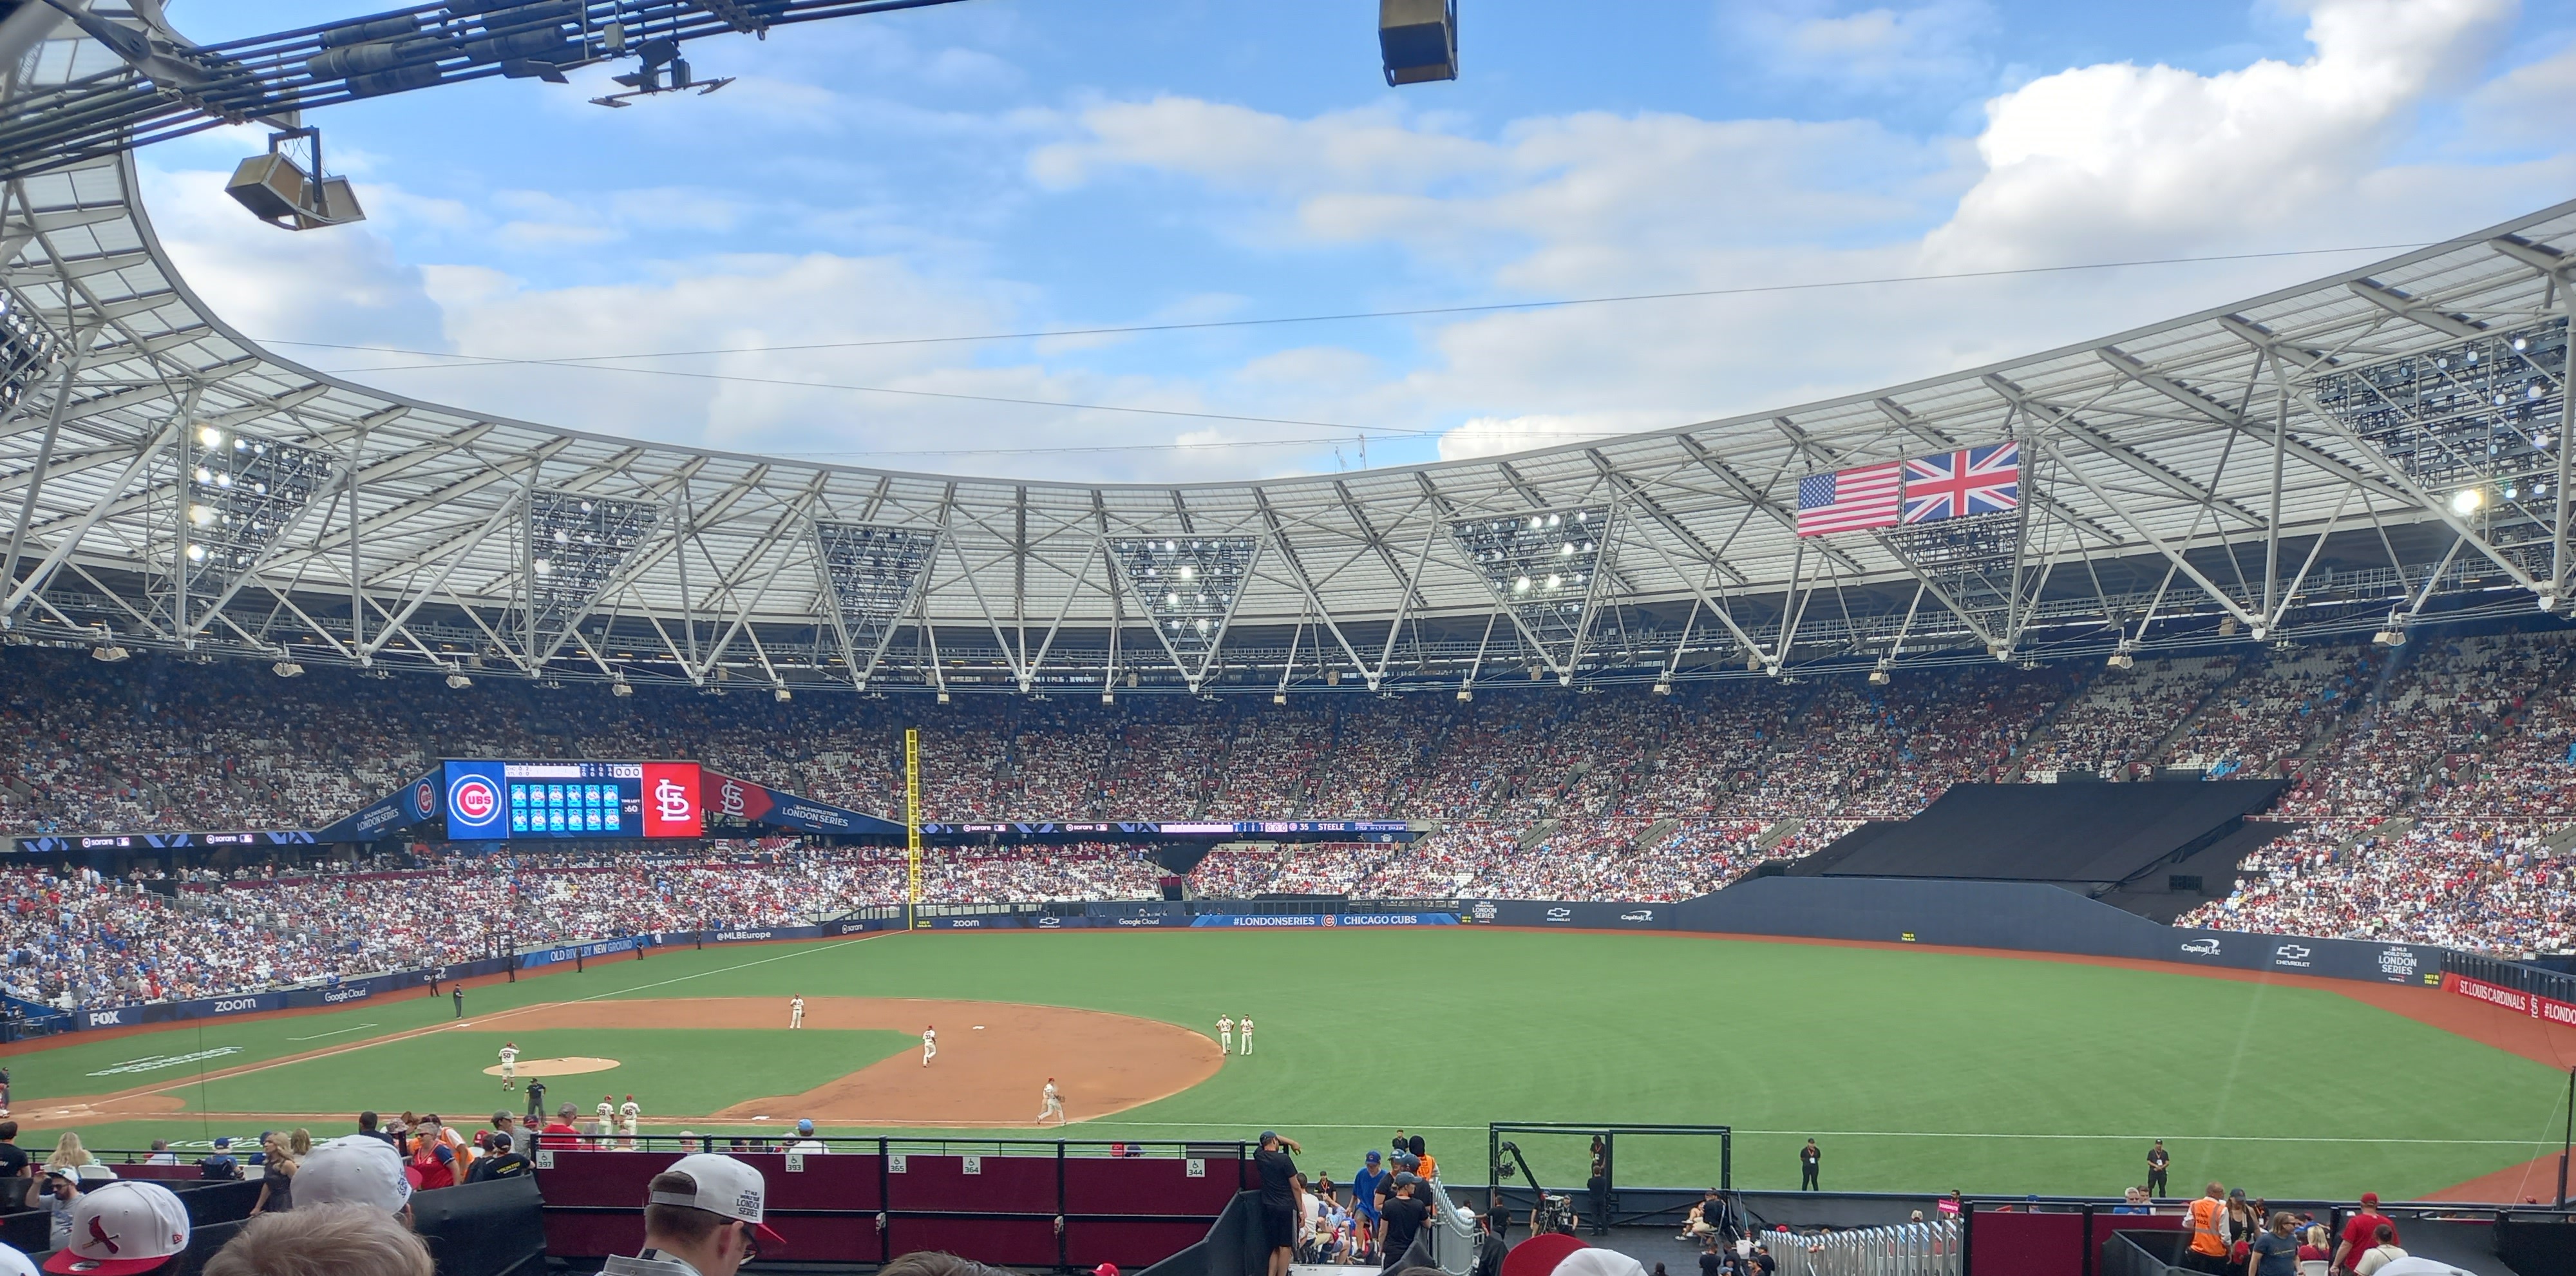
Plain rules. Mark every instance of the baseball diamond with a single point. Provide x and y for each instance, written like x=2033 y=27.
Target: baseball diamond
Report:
x=1984 y=1094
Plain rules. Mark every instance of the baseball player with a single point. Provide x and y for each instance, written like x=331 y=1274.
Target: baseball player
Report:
x=796 y=1011
x=929 y=1045
x=1054 y=1103
x=629 y=1115
x=1225 y=1034
x=1247 y=1034
x=509 y=1065
x=607 y=1124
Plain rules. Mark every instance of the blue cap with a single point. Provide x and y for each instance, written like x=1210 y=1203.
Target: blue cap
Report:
x=804 y=1127
x=223 y=1140
x=1371 y=1158
x=1268 y=1135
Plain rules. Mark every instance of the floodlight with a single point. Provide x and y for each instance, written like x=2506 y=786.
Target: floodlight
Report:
x=286 y=669
x=1663 y=687
x=1879 y=678
x=2122 y=660
x=781 y=695
x=1279 y=697
x=1108 y=697
x=1465 y=695
x=943 y=697
x=109 y=654
x=2467 y=500
x=459 y=681
x=621 y=688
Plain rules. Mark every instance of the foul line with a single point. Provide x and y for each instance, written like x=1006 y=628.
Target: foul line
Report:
x=416 y=1033
x=342 y=1032
x=1876 y=1134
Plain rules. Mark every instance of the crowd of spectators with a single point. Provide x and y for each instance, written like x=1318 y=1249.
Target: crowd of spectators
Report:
x=2431 y=781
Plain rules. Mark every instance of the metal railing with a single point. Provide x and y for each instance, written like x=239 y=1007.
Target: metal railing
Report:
x=1904 y=1249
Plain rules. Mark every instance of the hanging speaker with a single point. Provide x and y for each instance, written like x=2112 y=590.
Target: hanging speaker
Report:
x=1418 y=40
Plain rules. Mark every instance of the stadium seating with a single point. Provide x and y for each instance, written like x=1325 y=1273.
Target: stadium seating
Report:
x=2432 y=777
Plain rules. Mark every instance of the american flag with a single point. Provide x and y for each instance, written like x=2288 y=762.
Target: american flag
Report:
x=1846 y=500
x=1971 y=480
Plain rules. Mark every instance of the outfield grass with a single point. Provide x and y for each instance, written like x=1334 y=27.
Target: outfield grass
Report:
x=1914 y=1070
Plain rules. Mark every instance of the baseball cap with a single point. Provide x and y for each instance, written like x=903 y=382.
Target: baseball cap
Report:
x=123 y=1228
x=804 y=1127
x=353 y=1170
x=1407 y=1180
x=15 y=1263
x=1268 y=1135
x=726 y=1188
x=1371 y=1158
x=2370 y=1198
x=1105 y=1269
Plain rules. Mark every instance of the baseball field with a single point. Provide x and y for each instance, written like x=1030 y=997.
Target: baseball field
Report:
x=1913 y=1069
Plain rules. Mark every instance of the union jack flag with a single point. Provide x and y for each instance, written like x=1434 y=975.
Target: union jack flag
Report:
x=1971 y=480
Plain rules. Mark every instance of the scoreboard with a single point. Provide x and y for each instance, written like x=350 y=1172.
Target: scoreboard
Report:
x=512 y=801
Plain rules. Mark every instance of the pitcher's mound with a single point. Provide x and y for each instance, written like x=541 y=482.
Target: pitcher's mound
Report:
x=556 y=1067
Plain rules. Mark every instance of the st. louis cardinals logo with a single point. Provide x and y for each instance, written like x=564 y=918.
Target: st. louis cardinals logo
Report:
x=671 y=800
x=730 y=797
x=100 y=1237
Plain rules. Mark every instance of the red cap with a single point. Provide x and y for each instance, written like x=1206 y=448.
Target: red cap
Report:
x=1105 y=1269
x=1539 y=1255
x=2370 y=1198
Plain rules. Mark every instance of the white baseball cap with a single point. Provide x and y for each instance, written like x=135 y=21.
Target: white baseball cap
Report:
x=726 y=1188
x=354 y=1169
x=123 y=1228
x=14 y=1262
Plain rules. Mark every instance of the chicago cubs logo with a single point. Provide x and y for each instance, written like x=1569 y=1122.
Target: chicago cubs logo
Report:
x=424 y=796
x=474 y=800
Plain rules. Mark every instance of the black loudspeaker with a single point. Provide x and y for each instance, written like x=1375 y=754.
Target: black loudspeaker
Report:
x=1418 y=40
x=1771 y=868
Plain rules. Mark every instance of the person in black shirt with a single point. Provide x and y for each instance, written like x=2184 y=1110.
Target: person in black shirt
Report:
x=1763 y=1263
x=536 y=1100
x=1807 y=1158
x=500 y=1159
x=1278 y=1199
x=2158 y=1162
x=13 y=1158
x=1404 y=1218
x=457 y=991
x=1711 y=1263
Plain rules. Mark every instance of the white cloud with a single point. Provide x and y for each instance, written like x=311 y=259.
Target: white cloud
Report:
x=1876 y=50
x=2156 y=157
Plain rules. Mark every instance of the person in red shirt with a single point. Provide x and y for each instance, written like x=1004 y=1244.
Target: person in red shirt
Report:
x=2361 y=1231
x=560 y=1133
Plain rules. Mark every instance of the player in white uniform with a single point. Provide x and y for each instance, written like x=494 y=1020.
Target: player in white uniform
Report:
x=607 y=1124
x=1225 y=1034
x=629 y=1115
x=929 y=1045
x=509 y=1065
x=1247 y=1034
x=1054 y=1103
x=796 y=1012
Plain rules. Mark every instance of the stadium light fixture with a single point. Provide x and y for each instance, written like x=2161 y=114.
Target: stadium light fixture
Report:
x=2122 y=660
x=781 y=694
x=621 y=688
x=109 y=653
x=287 y=669
x=1465 y=696
x=2467 y=501
x=459 y=681
x=1279 y=697
x=1107 y=696
x=943 y=697
x=1663 y=686
x=1879 y=678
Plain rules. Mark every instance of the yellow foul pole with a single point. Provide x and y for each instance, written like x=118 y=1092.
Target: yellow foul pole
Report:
x=912 y=826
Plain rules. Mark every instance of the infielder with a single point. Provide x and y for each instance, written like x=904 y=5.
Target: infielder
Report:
x=1247 y=1034
x=929 y=1045
x=1225 y=1034
x=509 y=1065
x=607 y=1124
x=629 y=1115
x=1054 y=1103
x=796 y=1012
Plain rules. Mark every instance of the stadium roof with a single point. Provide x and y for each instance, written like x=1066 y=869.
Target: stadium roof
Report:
x=2301 y=461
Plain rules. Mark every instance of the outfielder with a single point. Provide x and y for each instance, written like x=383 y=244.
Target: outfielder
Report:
x=509 y=1065
x=1247 y=1034
x=929 y=1045
x=1054 y=1103
x=607 y=1124
x=796 y=1012
x=1225 y=1034
x=629 y=1115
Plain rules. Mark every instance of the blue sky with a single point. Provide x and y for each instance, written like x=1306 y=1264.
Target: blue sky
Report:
x=1000 y=166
